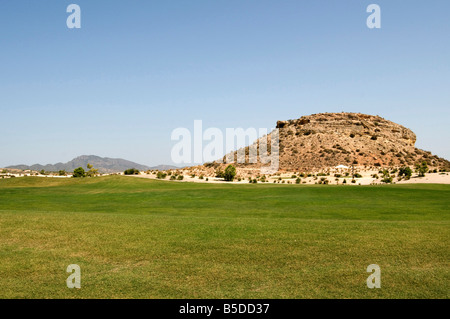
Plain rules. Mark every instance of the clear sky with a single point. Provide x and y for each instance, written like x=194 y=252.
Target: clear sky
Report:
x=136 y=70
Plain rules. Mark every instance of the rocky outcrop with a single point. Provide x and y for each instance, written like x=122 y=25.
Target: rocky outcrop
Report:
x=326 y=140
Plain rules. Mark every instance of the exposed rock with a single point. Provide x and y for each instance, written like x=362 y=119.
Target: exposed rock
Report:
x=326 y=140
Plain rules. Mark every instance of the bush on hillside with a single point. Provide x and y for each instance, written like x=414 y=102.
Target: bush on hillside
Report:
x=230 y=173
x=422 y=168
x=405 y=171
x=131 y=171
x=161 y=175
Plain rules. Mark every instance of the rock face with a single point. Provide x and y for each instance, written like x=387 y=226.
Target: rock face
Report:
x=326 y=140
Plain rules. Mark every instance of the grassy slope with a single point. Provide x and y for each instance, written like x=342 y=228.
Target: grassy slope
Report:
x=138 y=238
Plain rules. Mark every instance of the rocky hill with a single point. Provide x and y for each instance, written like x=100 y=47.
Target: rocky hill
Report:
x=326 y=140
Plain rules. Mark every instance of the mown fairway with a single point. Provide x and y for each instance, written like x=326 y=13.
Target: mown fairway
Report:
x=138 y=238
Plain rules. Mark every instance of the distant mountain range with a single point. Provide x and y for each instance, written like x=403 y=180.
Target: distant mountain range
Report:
x=103 y=164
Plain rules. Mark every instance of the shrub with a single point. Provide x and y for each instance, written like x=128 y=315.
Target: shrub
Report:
x=230 y=173
x=219 y=174
x=405 y=171
x=422 y=168
x=131 y=171
x=357 y=175
x=78 y=172
x=298 y=180
x=161 y=175
x=180 y=177
x=172 y=178
x=387 y=179
x=352 y=135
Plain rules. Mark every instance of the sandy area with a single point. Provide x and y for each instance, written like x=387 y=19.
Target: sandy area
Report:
x=286 y=178
x=432 y=178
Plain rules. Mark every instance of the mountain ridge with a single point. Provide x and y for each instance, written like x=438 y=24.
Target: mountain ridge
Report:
x=103 y=164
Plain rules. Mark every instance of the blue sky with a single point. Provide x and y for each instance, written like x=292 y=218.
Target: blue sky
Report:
x=136 y=70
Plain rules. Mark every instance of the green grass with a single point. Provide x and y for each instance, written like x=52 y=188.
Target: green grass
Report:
x=139 y=238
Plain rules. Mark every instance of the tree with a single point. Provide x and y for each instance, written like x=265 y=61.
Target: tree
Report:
x=62 y=173
x=92 y=171
x=230 y=173
x=422 y=168
x=79 y=172
x=405 y=171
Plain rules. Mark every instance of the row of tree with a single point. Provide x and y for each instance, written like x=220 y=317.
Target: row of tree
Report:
x=80 y=172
